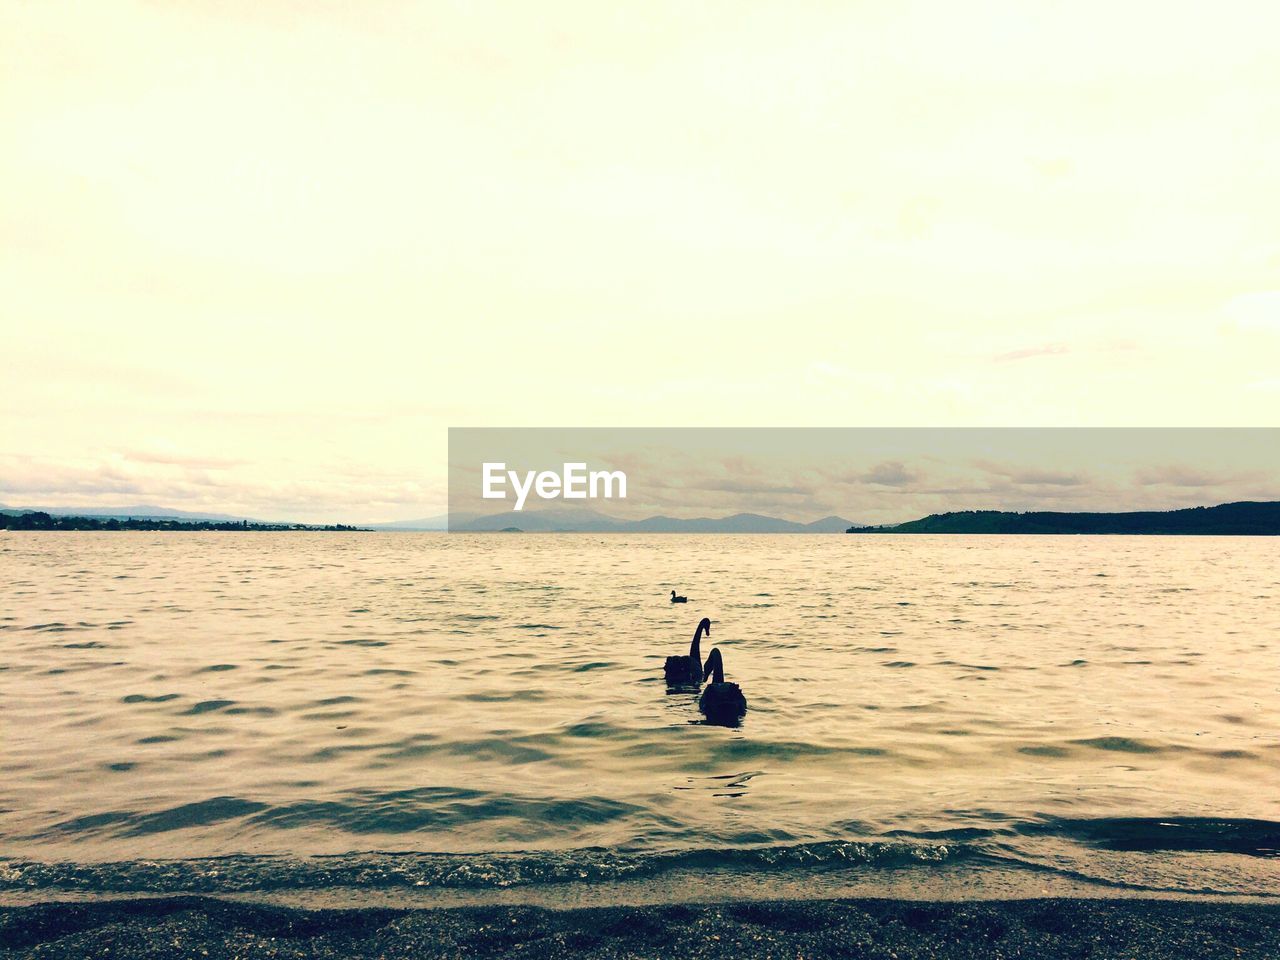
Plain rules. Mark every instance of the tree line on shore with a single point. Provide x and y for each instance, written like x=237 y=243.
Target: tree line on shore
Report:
x=39 y=520
x=1246 y=518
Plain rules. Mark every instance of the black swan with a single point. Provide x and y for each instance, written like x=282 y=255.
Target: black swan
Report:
x=675 y=599
x=687 y=671
x=721 y=702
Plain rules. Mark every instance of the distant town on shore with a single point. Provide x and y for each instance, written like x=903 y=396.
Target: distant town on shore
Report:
x=39 y=520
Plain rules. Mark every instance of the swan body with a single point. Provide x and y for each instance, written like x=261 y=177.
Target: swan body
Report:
x=687 y=671
x=675 y=599
x=720 y=702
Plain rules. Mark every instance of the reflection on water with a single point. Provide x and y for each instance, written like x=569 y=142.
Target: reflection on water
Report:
x=1104 y=706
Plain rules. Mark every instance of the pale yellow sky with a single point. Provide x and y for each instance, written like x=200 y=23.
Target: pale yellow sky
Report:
x=258 y=256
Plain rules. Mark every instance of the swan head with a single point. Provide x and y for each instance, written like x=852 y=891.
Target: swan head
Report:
x=704 y=626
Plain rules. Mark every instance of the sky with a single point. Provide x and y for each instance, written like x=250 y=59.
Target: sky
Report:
x=259 y=256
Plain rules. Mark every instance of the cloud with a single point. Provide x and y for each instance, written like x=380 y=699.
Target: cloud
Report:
x=1045 y=350
x=1256 y=311
x=173 y=458
x=1032 y=476
x=1175 y=475
x=742 y=486
x=1048 y=478
x=891 y=473
x=343 y=492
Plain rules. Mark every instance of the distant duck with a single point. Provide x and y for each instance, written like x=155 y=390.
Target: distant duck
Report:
x=721 y=702
x=687 y=671
x=675 y=599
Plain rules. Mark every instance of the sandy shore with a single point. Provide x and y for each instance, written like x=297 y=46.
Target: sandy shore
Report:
x=1043 y=929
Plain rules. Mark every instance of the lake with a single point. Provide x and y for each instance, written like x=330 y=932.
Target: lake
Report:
x=360 y=712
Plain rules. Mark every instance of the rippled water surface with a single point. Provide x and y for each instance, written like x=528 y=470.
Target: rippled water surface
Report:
x=469 y=710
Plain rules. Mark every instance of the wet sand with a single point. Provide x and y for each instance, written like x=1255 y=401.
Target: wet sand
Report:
x=1044 y=929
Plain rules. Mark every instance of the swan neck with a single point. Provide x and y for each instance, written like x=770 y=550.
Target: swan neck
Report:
x=715 y=667
x=695 y=648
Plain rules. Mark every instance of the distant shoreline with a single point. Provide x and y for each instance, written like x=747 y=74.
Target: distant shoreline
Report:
x=43 y=521
x=1246 y=518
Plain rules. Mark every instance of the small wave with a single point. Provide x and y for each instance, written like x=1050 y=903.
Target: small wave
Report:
x=1045 y=750
x=1253 y=838
x=594 y=665
x=208 y=706
x=370 y=811
x=1121 y=745
x=502 y=696
x=132 y=824
x=237 y=874
x=143 y=698
x=966 y=666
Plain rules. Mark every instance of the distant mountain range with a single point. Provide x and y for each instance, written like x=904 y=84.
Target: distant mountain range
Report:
x=567 y=520
x=1246 y=518
x=589 y=521
x=1253 y=518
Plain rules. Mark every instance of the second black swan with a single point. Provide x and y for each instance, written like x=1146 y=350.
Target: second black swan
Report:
x=720 y=702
